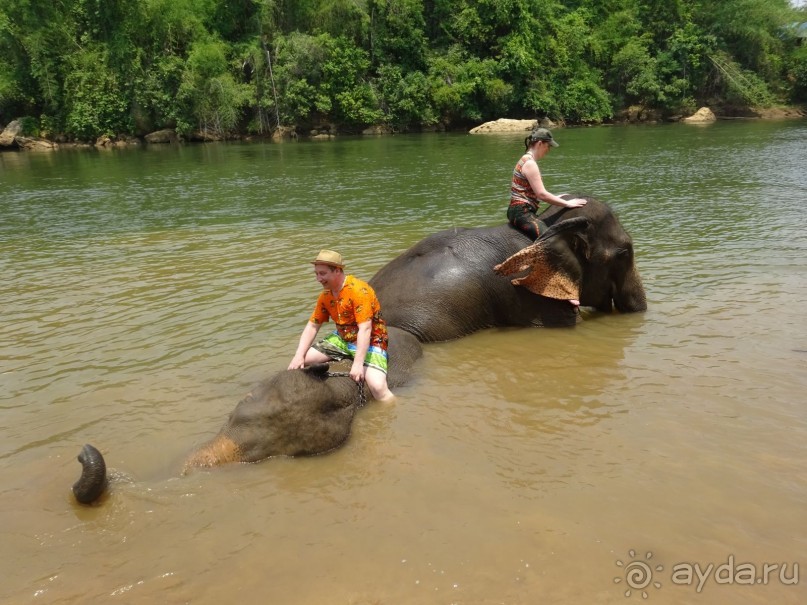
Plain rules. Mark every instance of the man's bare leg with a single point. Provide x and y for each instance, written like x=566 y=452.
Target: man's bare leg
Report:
x=377 y=383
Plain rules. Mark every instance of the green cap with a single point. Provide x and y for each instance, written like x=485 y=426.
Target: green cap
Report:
x=542 y=134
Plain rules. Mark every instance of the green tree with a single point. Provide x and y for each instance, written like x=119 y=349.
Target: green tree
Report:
x=466 y=89
x=36 y=37
x=299 y=77
x=797 y=74
x=405 y=98
x=749 y=30
x=234 y=20
x=156 y=90
x=95 y=100
x=170 y=29
x=342 y=18
x=549 y=62
x=397 y=33
x=212 y=101
x=345 y=79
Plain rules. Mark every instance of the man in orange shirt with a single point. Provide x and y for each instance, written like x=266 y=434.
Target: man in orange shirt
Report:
x=361 y=333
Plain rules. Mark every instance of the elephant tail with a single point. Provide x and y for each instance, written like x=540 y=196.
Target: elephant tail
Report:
x=93 y=481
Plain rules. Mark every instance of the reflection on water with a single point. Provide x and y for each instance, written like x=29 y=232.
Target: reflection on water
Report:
x=147 y=290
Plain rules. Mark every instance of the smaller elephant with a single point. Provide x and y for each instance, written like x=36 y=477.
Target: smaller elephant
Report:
x=293 y=413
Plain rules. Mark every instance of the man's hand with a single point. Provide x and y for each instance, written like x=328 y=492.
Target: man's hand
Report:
x=357 y=372
x=297 y=362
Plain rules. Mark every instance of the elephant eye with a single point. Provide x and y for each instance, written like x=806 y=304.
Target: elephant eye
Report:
x=625 y=252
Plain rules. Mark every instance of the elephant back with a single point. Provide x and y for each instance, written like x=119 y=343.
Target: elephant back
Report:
x=444 y=287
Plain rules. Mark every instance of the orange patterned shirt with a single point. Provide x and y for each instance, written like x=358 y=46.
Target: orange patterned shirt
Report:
x=355 y=304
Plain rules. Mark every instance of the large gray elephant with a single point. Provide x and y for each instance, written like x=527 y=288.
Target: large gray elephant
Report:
x=293 y=413
x=445 y=286
x=442 y=288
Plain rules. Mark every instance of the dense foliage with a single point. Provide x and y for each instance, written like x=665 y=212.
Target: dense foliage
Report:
x=86 y=68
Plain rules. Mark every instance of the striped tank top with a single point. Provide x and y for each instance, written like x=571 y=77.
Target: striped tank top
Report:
x=520 y=189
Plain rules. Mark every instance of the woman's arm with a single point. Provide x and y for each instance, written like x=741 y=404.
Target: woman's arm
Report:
x=533 y=173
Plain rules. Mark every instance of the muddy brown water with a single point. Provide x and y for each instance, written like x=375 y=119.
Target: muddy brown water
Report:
x=658 y=454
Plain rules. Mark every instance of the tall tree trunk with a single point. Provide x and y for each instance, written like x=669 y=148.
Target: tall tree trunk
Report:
x=272 y=78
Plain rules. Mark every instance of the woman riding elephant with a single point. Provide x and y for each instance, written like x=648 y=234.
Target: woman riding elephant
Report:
x=527 y=186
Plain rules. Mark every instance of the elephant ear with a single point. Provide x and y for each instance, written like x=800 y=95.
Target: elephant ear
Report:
x=553 y=269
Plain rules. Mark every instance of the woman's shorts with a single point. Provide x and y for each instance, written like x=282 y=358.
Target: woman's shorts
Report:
x=523 y=218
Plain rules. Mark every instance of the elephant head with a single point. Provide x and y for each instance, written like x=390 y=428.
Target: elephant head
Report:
x=584 y=255
x=598 y=257
x=293 y=413
x=444 y=286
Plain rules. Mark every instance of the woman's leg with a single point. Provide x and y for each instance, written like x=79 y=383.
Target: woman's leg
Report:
x=523 y=219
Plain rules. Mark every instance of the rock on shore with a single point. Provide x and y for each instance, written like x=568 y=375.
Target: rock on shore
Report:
x=508 y=125
x=162 y=137
x=703 y=116
x=12 y=137
x=10 y=133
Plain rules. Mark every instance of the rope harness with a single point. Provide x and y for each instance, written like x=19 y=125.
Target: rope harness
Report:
x=362 y=395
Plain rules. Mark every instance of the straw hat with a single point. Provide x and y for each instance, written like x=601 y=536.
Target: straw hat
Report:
x=329 y=257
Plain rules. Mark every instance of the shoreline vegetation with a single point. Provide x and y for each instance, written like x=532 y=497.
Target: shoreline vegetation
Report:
x=107 y=73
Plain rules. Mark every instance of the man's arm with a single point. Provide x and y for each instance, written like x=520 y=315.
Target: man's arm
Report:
x=306 y=340
x=362 y=346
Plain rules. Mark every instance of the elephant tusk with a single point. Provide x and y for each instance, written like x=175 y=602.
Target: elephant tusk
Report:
x=93 y=481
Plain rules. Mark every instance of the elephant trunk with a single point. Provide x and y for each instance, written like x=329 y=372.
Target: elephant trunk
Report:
x=219 y=450
x=93 y=481
x=630 y=295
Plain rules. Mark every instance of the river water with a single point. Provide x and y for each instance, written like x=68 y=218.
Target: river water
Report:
x=146 y=290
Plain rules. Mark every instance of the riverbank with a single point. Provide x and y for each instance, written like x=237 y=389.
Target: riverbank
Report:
x=14 y=138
